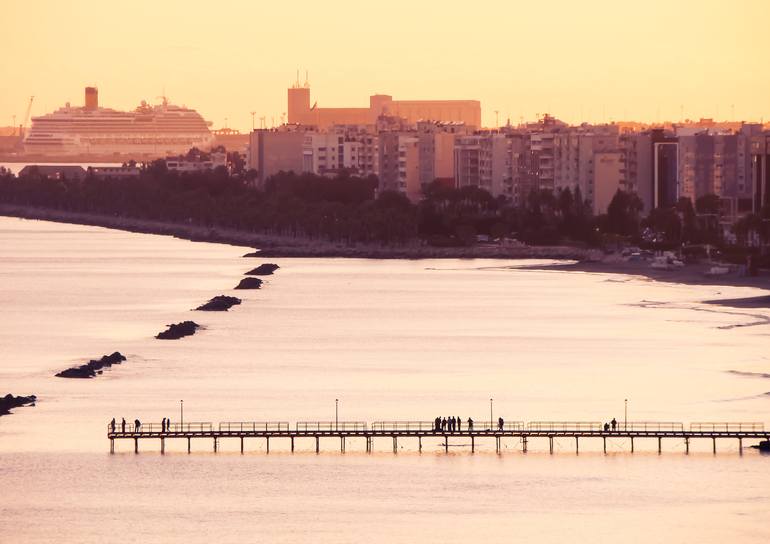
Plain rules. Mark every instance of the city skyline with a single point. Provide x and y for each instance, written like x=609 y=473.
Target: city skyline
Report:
x=621 y=63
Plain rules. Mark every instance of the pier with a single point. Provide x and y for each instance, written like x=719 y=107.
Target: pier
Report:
x=415 y=431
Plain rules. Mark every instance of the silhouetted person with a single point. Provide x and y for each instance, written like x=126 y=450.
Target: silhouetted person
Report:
x=470 y=425
x=123 y=425
x=606 y=427
x=163 y=425
x=613 y=423
x=443 y=424
x=500 y=423
x=459 y=424
x=452 y=424
x=168 y=424
x=437 y=422
x=112 y=425
x=137 y=425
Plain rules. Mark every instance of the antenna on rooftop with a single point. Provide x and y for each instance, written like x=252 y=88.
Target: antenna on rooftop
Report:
x=296 y=83
x=307 y=83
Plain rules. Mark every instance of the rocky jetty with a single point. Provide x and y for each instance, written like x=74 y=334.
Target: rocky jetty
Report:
x=265 y=269
x=249 y=283
x=178 y=330
x=8 y=402
x=92 y=367
x=220 y=303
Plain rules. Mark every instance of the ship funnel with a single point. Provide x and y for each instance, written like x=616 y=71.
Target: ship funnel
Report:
x=92 y=98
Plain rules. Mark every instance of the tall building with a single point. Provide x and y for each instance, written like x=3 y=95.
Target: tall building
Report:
x=484 y=160
x=760 y=171
x=301 y=112
x=273 y=151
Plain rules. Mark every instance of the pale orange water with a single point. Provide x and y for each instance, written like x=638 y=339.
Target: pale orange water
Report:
x=391 y=340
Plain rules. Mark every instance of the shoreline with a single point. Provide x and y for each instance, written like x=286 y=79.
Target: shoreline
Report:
x=270 y=245
x=285 y=246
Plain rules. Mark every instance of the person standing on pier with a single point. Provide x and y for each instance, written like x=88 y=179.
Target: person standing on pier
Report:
x=437 y=424
x=123 y=425
x=443 y=424
x=137 y=425
x=163 y=425
x=459 y=424
x=112 y=425
x=614 y=423
x=168 y=424
x=500 y=423
x=470 y=425
x=451 y=424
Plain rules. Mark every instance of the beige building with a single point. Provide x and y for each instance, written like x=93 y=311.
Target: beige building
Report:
x=301 y=112
x=273 y=151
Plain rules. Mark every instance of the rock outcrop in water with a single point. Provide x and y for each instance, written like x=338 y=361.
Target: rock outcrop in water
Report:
x=265 y=269
x=220 y=303
x=8 y=402
x=178 y=330
x=92 y=367
x=249 y=283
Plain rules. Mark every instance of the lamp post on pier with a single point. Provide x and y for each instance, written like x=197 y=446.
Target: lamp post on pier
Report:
x=625 y=415
x=181 y=414
x=491 y=419
x=336 y=414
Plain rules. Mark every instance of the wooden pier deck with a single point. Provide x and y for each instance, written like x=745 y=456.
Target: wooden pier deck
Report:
x=417 y=430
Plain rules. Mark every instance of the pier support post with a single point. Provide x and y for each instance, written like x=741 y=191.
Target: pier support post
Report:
x=419 y=444
x=687 y=444
x=188 y=444
x=604 y=440
x=342 y=444
x=714 y=440
x=497 y=444
x=268 y=444
x=446 y=444
x=577 y=445
x=112 y=445
x=395 y=444
x=660 y=445
x=136 y=445
x=241 y=444
x=215 y=444
x=473 y=444
x=632 y=444
x=550 y=444
x=317 y=445
x=740 y=446
x=292 y=444
x=162 y=445
x=524 y=444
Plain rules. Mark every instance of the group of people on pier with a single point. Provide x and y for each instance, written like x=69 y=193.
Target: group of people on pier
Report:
x=165 y=425
x=454 y=424
x=612 y=424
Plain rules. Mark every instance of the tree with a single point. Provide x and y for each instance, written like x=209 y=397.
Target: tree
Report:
x=623 y=214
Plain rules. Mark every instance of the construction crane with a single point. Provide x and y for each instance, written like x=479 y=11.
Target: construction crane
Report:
x=26 y=117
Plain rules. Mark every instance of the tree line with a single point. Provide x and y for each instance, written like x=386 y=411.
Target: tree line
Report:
x=349 y=209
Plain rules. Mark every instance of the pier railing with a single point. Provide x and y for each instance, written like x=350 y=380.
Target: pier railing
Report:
x=650 y=426
x=726 y=427
x=331 y=426
x=495 y=426
x=192 y=427
x=403 y=426
x=565 y=426
x=253 y=426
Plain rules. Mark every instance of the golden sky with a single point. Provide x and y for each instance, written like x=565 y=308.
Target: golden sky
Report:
x=595 y=60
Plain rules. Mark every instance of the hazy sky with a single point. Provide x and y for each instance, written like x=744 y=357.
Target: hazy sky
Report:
x=592 y=60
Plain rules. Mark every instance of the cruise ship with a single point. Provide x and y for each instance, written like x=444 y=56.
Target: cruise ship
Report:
x=148 y=131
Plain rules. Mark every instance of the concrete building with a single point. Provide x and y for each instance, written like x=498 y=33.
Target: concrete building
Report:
x=301 y=112
x=184 y=164
x=484 y=160
x=273 y=151
x=50 y=171
x=608 y=179
x=760 y=171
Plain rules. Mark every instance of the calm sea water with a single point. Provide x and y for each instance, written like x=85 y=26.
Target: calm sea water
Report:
x=392 y=340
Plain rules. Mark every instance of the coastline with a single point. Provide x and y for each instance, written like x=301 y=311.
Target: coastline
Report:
x=285 y=246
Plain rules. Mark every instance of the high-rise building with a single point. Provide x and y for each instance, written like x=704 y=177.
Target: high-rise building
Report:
x=760 y=171
x=273 y=151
